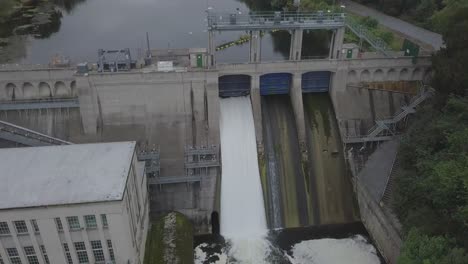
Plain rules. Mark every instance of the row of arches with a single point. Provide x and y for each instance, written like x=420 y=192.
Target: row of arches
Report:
x=40 y=90
x=379 y=75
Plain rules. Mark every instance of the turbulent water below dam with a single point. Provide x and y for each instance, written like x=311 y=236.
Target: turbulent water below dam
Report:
x=247 y=239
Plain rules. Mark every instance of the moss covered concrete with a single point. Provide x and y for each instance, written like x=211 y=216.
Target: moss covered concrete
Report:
x=170 y=240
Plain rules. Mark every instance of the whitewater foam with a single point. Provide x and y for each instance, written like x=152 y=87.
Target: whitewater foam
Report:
x=243 y=220
x=335 y=251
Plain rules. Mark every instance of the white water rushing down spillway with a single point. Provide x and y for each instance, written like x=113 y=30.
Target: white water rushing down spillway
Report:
x=243 y=220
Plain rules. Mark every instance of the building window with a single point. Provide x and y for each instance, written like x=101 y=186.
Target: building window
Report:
x=31 y=255
x=73 y=222
x=58 y=223
x=21 y=227
x=35 y=226
x=90 y=221
x=97 y=251
x=13 y=255
x=104 y=221
x=111 y=250
x=67 y=253
x=1 y=260
x=4 y=229
x=80 y=249
x=44 y=254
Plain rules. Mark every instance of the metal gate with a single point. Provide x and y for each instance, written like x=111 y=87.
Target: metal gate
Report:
x=315 y=82
x=275 y=83
x=234 y=85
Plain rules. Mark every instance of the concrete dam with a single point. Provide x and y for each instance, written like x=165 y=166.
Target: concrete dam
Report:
x=302 y=113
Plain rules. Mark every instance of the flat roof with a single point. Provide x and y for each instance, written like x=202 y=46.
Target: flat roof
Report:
x=66 y=174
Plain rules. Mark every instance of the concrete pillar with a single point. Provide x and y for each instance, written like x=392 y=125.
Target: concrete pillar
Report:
x=255 y=46
x=211 y=49
x=331 y=47
x=256 y=100
x=298 y=108
x=338 y=43
x=295 y=50
x=89 y=108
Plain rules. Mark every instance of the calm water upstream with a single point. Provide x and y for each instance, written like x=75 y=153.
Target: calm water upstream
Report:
x=89 y=25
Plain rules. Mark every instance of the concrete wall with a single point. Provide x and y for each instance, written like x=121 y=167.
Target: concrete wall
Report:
x=357 y=108
x=172 y=111
x=369 y=183
x=52 y=239
x=128 y=238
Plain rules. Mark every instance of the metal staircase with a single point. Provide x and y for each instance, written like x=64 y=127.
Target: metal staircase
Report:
x=363 y=33
x=387 y=194
x=26 y=136
x=384 y=128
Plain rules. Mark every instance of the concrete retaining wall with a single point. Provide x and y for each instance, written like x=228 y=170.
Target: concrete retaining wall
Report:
x=382 y=226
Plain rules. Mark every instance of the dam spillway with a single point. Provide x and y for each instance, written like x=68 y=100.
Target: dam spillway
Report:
x=242 y=213
x=283 y=169
x=327 y=180
x=303 y=193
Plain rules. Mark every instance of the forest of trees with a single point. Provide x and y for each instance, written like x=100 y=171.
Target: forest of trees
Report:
x=431 y=197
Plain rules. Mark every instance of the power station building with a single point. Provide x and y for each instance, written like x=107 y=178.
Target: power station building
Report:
x=84 y=203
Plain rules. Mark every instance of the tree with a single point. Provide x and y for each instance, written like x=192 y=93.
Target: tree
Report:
x=422 y=249
x=449 y=63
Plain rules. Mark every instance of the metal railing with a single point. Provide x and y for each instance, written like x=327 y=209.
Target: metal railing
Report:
x=362 y=32
x=226 y=21
x=388 y=124
x=27 y=137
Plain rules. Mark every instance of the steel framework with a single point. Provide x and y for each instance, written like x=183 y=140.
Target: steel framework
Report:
x=27 y=137
x=39 y=104
x=274 y=20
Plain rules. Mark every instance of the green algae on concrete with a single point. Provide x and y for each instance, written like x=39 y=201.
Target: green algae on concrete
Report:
x=170 y=240
x=329 y=182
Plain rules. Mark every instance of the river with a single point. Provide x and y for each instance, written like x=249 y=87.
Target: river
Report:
x=88 y=25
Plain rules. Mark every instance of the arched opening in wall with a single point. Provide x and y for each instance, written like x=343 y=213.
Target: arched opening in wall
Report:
x=378 y=75
x=10 y=91
x=234 y=85
x=60 y=90
x=215 y=228
x=417 y=74
x=365 y=76
x=275 y=83
x=391 y=75
x=73 y=88
x=352 y=77
x=427 y=77
x=28 y=91
x=404 y=75
x=44 y=90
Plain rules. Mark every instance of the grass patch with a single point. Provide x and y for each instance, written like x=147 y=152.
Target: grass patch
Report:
x=170 y=240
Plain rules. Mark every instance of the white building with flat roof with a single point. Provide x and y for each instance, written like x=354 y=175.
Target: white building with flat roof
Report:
x=85 y=203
